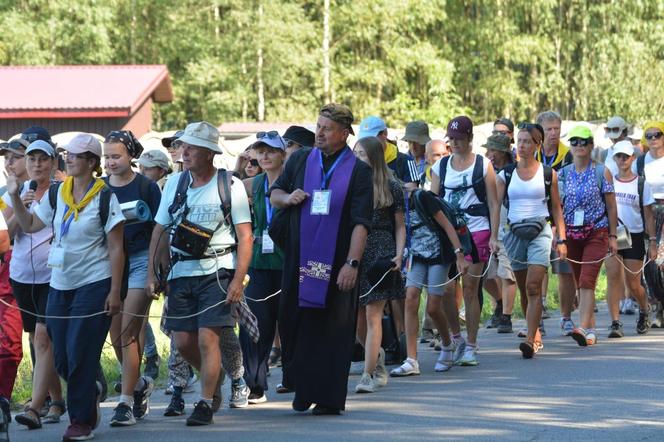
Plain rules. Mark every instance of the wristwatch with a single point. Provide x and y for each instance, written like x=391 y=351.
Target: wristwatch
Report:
x=459 y=250
x=354 y=263
x=561 y=241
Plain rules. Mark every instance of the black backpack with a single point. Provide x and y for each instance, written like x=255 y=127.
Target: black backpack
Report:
x=477 y=183
x=548 y=179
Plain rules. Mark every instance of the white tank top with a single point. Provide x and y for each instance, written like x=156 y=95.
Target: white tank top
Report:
x=527 y=198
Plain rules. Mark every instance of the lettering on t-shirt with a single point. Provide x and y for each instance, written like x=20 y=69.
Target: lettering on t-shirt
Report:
x=205 y=213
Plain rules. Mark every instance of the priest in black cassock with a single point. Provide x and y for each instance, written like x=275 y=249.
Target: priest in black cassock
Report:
x=328 y=194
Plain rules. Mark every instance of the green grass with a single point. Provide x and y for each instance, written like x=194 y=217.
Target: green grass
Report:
x=109 y=363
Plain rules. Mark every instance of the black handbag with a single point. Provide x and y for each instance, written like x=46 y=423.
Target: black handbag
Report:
x=529 y=228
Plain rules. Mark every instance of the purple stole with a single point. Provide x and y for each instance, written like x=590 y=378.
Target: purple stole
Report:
x=318 y=233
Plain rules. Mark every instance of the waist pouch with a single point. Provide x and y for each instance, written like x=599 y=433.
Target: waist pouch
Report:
x=529 y=228
x=192 y=239
x=476 y=210
x=579 y=233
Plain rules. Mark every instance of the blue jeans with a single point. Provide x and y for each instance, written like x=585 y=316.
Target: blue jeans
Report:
x=77 y=344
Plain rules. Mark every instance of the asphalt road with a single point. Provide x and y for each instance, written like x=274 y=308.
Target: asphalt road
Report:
x=613 y=391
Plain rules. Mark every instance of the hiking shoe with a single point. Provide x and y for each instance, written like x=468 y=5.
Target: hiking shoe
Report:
x=275 y=358
x=380 y=373
x=505 y=324
x=239 y=394
x=151 y=369
x=527 y=350
x=175 y=407
x=202 y=415
x=469 y=358
x=629 y=307
x=427 y=335
x=410 y=367
x=78 y=431
x=523 y=332
x=616 y=330
x=366 y=384
x=141 y=399
x=123 y=416
x=494 y=320
x=566 y=326
x=445 y=359
x=257 y=398
x=643 y=323
x=460 y=349
x=545 y=311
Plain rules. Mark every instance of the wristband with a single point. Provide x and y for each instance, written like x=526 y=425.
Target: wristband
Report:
x=561 y=241
x=612 y=235
x=652 y=238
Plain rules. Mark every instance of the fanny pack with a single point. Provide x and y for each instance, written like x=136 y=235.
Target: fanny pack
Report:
x=192 y=239
x=529 y=228
x=476 y=210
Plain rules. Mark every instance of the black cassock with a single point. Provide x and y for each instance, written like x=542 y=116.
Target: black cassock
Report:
x=317 y=344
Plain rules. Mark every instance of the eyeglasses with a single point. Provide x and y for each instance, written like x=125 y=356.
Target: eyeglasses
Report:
x=580 y=142
x=502 y=132
x=253 y=162
x=612 y=129
x=77 y=156
x=654 y=136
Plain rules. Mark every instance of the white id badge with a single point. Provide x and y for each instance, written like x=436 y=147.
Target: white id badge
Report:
x=56 y=258
x=267 y=245
x=578 y=217
x=320 y=202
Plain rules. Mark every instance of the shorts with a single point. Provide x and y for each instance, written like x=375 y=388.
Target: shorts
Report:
x=533 y=252
x=138 y=270
x=500 y=266
x=429 y=276
x=593 y=248
x=638 y=249
x=192 y=294
x=481 y=250
x=32 y=301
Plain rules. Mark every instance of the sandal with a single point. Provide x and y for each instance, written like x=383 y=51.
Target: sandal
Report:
x=527 y=350
x=53 y=417
x=30 y=418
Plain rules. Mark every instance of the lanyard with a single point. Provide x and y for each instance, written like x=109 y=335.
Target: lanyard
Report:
x=545 y=160
x=64 y=227
x=268 y=206
x=326 y=176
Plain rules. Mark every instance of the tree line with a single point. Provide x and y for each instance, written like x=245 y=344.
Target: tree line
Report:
x=278 y=60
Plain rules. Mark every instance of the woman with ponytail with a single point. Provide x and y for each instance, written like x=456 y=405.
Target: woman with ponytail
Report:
x=86 y=259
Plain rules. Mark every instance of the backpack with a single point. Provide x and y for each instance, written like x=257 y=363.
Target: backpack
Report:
x=104 y=209
x=548 y=179
x=224 y=183
x=426 y=218
x=477 y=183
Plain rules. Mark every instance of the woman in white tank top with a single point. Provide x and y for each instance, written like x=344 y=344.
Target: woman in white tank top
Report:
x=528 y=241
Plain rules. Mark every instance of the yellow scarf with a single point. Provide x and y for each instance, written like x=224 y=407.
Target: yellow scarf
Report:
x=390 y=152
x=68 y=196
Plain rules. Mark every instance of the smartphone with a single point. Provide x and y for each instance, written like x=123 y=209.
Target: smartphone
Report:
x=61 y=164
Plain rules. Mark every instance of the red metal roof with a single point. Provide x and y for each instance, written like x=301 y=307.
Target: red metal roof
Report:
x=80 y=91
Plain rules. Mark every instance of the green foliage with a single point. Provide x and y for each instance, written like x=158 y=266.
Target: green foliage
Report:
x=401 y=59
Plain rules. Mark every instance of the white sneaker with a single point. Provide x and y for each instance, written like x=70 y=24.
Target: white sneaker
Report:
x=566 y=327
x=445 y=360
x=522 y=333
x=410 y=367
x=469 y=358
x=366 y=384
x=380 y=373
x=460 y=349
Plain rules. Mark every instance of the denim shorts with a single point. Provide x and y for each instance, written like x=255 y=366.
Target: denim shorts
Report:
x=424 y=275
x=138 y=270
x=533 y=252
x=192 y=294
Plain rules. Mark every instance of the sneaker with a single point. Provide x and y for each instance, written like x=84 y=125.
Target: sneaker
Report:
x=169 y=390
x=410 y=367
x=493 y=321
x=658 y=320
x=427 y=335
x=545 y=311
x=462 y=316
x=622 y=306
x=239 y=394
x=460 y=349
x=152 y=367
x=523 y=332
x=591 y=337
x=366 y=384
x=217 y=397
x=584 y=337
x=101 y=378
x=469 y=358
x=629 y=307
x=123 y=416
x=117 y=386
x=616 y=330
x=141 y=398
x=202 y=415
x=438 y=343
x=643 y=324
x=189 y=388
x=275 y=358
x=445 y=360
x=566 y=326
x=175 y=407
x=527 y=350
x=78 y=431
x=257 y=398
x=542 y=330
x=380 y=373
x=505 y=325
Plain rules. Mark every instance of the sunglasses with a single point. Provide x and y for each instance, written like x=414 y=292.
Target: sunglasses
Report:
x=612 y=129
x=270 y=134
x=580 y=142
x=654 y=136
x=15 y=144
x=253 y=162
x=622 y=156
